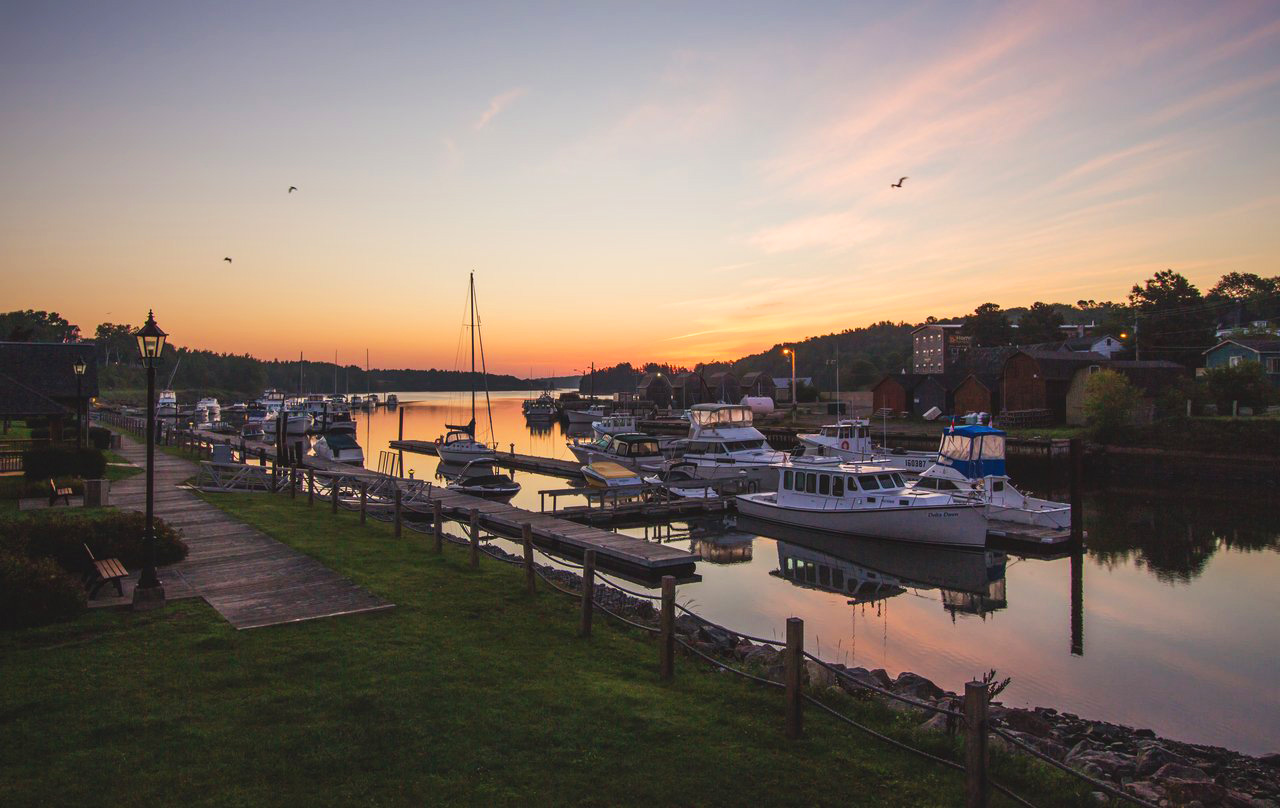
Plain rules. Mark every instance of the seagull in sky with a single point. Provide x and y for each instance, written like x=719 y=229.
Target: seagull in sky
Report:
x=292 y=188
x=897 y=184
x=228 y=260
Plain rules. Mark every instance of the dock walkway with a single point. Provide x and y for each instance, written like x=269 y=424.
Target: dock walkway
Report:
x=569 y=469
x=251 y=579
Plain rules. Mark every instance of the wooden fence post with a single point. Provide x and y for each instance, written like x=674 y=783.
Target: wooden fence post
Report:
x=977 y=791
x=364 y=501
x=399 y=520
x=333 y=494
x=293 y=481
x=793 y=661
x=667 y=625
x=475 y=537
x=588 y=591
x=311 y=486
x=530 y=579
x=437 y=525
x=1077 y=486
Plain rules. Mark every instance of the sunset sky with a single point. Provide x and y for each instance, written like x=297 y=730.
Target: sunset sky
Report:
x=629 y=181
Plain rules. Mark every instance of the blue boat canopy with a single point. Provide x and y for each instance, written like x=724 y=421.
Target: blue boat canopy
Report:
x=973 y=450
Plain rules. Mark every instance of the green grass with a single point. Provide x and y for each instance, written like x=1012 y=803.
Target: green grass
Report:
x=467 y=692
x=18 y=430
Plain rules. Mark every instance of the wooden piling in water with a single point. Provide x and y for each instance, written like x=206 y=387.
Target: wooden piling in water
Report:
x=364 y=501
x=667 y=629
x=588 y=592
x=437 y=525
x=530 y=579
x=399 y=520
x=1077 y=490
x=475 y=537
x=977 y=790
x=400 y=452
x=793 y=668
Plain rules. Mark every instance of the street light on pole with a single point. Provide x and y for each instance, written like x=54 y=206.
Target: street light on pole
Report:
x=149 y=593
x=79 y=367
x=792 y=354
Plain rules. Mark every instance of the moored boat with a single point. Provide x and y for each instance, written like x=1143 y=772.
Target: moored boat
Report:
x=481 y=478
x=340 y=447
x=634 y=450
x=615 y=424
x=611 y=476
x=850 y=440
x=723 y=444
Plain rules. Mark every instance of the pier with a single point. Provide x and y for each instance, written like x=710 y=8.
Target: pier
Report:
x=569 y=469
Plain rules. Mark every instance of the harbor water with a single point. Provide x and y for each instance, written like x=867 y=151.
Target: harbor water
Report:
x=1166 y=621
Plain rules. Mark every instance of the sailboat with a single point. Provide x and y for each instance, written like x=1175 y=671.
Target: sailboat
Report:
x=459 y=445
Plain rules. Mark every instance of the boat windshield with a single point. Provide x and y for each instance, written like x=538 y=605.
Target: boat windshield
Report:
x=731 y=416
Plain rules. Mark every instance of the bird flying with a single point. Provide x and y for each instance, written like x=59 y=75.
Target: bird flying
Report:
x=292 y=188
x=897 y=184
x=228 y=260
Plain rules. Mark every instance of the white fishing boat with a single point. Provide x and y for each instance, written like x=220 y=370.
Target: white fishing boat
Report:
x=865 y=499
x=971 y=463
x=585 y=416
x=459 y=444
x=212 y=411
x=611 y=476
x=851 y=440
x=252 y=430
x=541 y=409
x=340 y=447
x=723 y=444
x=631 y=450
x=615 y=424
x=296 y=418
x=167 y=404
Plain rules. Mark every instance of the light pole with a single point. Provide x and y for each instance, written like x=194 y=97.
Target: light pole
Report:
x=149 y=593
x=792 y=354
x=79 y=367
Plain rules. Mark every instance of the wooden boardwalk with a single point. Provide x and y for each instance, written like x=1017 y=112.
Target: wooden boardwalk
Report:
x=540 y=465
x=251 y=579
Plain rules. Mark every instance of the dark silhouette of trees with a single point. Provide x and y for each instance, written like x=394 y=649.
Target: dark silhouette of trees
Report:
x=989 y=326
x=1041 y=323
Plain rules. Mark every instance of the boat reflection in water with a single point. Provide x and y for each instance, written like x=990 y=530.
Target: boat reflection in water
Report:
x=720 y=546
x=969 y=581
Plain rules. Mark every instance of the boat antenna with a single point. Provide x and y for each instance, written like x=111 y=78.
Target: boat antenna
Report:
x=471 y=292
x=169 y=386
x=299 y=373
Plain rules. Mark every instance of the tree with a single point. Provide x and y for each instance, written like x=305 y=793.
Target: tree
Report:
x=1109 y=402
x=1041 y=323
x=1245 y=384
x=1259 y=296
x=37 y=326
x=115 y=342
x=1171 y=315
x=988 y=326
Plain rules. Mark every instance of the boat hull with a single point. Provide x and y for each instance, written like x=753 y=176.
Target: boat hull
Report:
x=946 y=525
x=462 y=451
x=586 y=417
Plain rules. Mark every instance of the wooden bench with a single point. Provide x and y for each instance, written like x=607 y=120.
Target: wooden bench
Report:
x=103 y=571
x=55 y=492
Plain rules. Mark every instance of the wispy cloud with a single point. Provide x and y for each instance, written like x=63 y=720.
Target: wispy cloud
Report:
x=496 y=106
x=832 y=231
x=1218 y=95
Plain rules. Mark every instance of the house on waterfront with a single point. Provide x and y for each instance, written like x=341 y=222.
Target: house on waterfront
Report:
x=723 y=386
x=1231 y=352
x=979 y=391
x=689 y=388
x=757 y=383
x=1149 y=378
x=655 y=388
x=1102 y=344
x=913 y=393
x=38 y=380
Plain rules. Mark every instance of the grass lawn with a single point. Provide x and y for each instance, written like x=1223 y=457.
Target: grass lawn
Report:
x=468 y=692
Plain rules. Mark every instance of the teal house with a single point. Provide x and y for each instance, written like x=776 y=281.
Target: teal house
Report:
x=1231 y=352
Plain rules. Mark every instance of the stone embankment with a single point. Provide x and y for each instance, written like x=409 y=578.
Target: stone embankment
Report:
x=1159 y=770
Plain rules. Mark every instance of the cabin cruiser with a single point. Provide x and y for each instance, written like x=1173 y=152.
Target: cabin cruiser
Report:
x=613 y=424
x=459 y=445
x=971 y=464
x=865 y=499
x=167 y=404
x=296 y=419
x=611 y=476
x=585 y=416
x=723 y=444
x=633 y=450
x=212 y=411
x=541 y=410
x=340 y=447
x=392 y=401
x=481 y=478
x=851 y=440
x=252 y=430
x=335 y=422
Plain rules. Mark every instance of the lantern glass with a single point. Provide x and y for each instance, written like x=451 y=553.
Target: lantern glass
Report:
x=150 y=340
x=79 y=367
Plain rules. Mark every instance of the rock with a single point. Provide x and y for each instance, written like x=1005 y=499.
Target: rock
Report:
x=1237 y=799
x=1184 y=791
x=1106 y=765
x=938 y=723
x=916 y=686
x=1179 y=770
x=1028 y=722
x=902 y=707
x=1046 y=746
x=1145 y=790
x=881 y=678
x=818 y=675
x=860 y=675
x=687 y=624
x=1272 y=759
x=776 y=672
x=762 y=655
x=645 y=609
x=743 y=650
x=1152 y=757
x=718 y=637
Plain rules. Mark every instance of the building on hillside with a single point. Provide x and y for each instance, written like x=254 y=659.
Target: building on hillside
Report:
x=759 y=384
x=782 y=386
x=1037 y=381
x=1239 y=321
x=937 y=348
x=655 y=388
x=38 y=379
x=1231 y=352
x=724 y=387
x=688 y=389
x=1150 y=378
x=1103 y=344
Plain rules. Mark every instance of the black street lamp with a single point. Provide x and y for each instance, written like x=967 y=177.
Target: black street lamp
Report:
x=79 y=367
x=149 y=593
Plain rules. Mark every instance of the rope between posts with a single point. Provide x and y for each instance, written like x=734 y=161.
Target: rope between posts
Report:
x=729 y=630
x=622 y=588
x=905 y=699
x=1098 y=784
x=729 y=668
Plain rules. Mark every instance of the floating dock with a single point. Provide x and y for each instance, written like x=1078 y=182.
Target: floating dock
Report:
x=569 y=469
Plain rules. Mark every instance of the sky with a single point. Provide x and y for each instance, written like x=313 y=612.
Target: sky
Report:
x=628 y=181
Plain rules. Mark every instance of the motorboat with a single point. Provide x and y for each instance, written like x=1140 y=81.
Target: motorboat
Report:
x=632 y=450
x=541 y=409
x=296 y=419
x=167 y=404
x=681 y=480
x=252 y=430
x=851 y=440
x=336 y=422
x=971 y=464
x=612 y=476
x=723 y=444
x=585 y=416
x=613 y=424
x=340 y=447
x=481 y=478
x=865 y=499
x=213 y=412
x=392 y=401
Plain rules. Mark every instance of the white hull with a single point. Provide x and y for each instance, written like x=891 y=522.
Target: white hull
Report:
x=584 y=416
x=955 y=525
x=1038 y=513
x=912 y=462
x=297 y=424
x=463 y=451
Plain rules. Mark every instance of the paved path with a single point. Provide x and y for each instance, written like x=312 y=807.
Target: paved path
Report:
x=249 y=577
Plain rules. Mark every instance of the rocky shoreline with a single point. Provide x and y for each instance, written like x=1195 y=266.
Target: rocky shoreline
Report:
x=1161 y=771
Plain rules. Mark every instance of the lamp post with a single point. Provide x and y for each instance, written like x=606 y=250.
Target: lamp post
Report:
x=79 y=367
x=792 y=354
x=149 y=593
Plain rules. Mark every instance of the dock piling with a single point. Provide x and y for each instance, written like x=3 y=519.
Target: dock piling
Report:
x=1077 y=493
x=530 y=579
x=437 y=525
x=667 y=629
x=311 y=486
x=793 y=661
x=977 y=791
x=399 y=520
x=588 y=591
x=364 y=501
x=475 y=537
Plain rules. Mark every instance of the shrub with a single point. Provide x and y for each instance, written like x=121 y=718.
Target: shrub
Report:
x=62 y=461
x=35 y=591
x=100 y=437
x=1246 y=384
x=1109 y=402
x=60 y=536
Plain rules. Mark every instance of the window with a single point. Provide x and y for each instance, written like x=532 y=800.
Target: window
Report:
x=1234 y=361
x=868 y=482
x=886 y=480
x=927 y=483
x=897 y=480
x=810 y=483
x=800 y=481
x=824 y=576
x=786 y=479
x=837 y=486
x=1273 y=364
x=997 y=485
x=947 y=485
x=824 y=484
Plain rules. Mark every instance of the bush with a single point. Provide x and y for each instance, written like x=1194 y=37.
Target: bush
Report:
x=100 y=437
x=62 y=461
x=1109 y=402
x=60 y=536
x=35 y=591
x=1246 y=384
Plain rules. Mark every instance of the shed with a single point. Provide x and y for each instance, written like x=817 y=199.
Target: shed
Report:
x=37 y=379
x=688 y=389
x=757 y=383
x=1150 y=378
x=724 y=387
x=1231 y=352
x=979 y=390
x=655 y=388
x=931 y=391
x=1038 y=380
x=893 y=392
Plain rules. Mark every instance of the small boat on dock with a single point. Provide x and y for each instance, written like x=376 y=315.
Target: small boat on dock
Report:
x=481 y=478
x=632 y=450
x=340 y=447
x=615 y=424
x=850 y=440
x=724 y=444
x=612 y=476
x=252 y=430
x=167 y=404
x=586 y=416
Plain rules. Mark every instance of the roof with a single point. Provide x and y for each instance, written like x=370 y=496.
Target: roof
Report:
x=1061 y=365
x=973 y=430
x=907 y=381
x=784 y=382
x=687 y=377
x=716 y=378
x=652 y=378
x=1261 y=345
x=1151 y=376
x=753 y=376
x=635 y=437
x=19 y=400
x=1084 y=343
x=45 y=367
x=936 y=325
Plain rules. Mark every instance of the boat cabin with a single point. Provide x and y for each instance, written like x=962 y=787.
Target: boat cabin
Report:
x=973 y=451
x=629 y=445
x=840 y=482
x=845 y=430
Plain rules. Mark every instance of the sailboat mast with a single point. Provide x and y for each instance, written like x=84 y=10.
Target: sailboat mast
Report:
x=472 y=295
x=299 y=373
x=335 y=371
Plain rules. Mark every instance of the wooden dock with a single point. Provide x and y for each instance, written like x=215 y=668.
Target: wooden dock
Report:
x=569 y=469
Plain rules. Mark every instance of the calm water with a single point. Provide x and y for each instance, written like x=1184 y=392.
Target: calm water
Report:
x=1173 y=626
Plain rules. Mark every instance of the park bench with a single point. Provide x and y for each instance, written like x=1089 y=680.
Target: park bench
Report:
x=55 y=492
x=102 y=572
